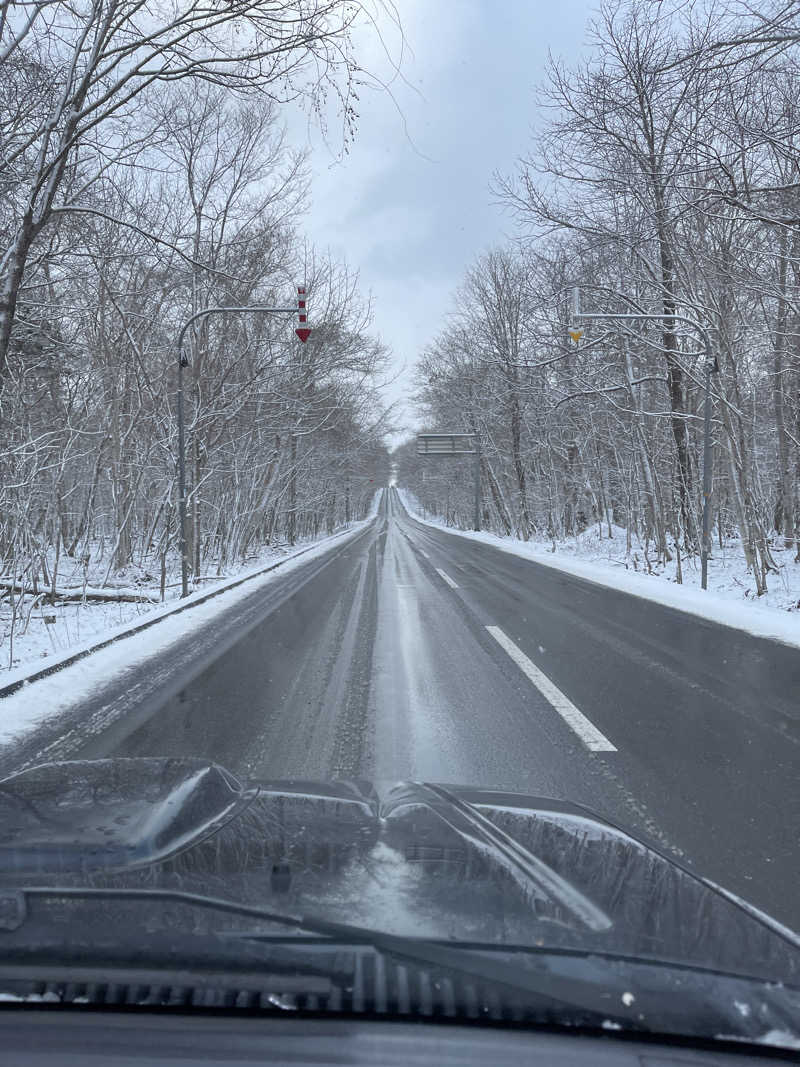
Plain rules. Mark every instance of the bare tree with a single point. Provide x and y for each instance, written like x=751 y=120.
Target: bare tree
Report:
x=74 y=80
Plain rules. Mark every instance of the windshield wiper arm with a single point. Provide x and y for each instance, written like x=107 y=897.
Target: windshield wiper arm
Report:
x=565 y=990
x=589 y=985
x=9 y=920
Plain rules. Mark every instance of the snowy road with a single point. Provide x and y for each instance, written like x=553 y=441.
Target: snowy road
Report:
x=410 y=652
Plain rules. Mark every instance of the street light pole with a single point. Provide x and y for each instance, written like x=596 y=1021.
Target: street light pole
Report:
x=182 y=475
x=477 y=488
x=710 y=368
x=302 y=333
x=705 y=549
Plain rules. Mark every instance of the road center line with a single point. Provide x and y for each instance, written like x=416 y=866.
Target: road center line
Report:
x=576 y=720
x=447 y=578
x=424 y=553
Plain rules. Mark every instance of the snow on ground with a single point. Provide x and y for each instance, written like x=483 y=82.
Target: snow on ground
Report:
x=79 y=624
x=730 y=599
x=76 y=623
x=48 y=697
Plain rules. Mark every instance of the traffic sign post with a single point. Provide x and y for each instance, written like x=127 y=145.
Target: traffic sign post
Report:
x=455 y=444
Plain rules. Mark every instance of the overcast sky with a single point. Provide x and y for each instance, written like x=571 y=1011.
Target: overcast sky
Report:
x=410 y=206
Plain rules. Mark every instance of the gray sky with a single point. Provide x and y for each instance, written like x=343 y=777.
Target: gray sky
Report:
x=409 y=207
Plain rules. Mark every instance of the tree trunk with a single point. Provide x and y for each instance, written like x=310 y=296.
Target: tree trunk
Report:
x=784 y=503
x=675 y=379
x=516 y=456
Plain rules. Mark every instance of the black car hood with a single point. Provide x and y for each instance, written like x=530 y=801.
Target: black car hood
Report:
x=411 y=859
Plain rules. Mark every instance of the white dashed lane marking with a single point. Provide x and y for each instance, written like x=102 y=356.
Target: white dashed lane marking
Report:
x=446 y=577
x=576 y=720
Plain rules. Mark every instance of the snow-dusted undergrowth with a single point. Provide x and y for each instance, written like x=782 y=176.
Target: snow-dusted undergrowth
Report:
x=47 y=698
x=81 y=623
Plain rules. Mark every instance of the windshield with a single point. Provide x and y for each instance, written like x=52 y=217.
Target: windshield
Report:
x=400 y=487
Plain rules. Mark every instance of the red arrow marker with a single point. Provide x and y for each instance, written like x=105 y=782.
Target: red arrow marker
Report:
x=302 y=331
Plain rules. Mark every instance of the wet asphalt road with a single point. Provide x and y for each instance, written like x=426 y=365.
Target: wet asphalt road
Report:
x=375 y=661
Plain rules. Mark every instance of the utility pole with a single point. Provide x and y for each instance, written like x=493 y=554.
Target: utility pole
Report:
x=303 y=331
x=710 y=367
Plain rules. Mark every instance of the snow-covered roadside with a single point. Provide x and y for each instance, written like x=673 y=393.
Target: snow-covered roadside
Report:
x=603 y=560
x=214 y=599
x=48 y=697
x=77 y=625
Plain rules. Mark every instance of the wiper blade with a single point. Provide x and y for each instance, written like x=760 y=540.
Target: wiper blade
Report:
x=13 y=906
x=643 y=995
x=589 y=996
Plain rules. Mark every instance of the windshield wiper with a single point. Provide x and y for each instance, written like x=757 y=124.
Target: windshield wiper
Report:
x=549 y=986
x=589 y=996
x=13 y=909
x=643 y=995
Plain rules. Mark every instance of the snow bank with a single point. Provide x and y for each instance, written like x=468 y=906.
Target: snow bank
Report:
x=604 y=560
x=373 y=511
x=77 y=625
x=100 y=626
x=48 y=697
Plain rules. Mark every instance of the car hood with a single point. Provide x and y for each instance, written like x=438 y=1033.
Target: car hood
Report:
x=412 y=858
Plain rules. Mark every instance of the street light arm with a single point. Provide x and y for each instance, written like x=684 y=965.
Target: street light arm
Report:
x=652 y=318
x=647 y=316
x=221 y=310
x=179 y=402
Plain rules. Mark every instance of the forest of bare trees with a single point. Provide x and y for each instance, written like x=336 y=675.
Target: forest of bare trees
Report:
x=144 y=175
x=662 y=177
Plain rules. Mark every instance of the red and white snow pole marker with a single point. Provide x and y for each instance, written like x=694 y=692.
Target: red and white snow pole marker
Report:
x=303 y=330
